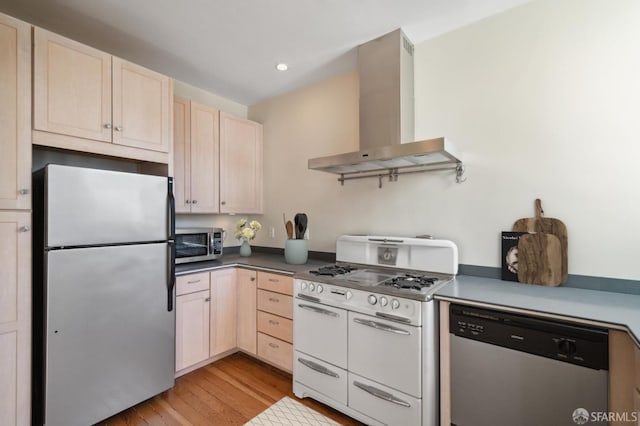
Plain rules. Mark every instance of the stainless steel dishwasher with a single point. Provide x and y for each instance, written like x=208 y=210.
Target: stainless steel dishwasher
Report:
x=509 y=369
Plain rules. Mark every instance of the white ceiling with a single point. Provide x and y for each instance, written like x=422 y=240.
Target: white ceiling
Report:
x=230 y=48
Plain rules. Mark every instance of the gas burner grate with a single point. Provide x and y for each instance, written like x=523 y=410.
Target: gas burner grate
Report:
x=333 y=270
x=411 y=282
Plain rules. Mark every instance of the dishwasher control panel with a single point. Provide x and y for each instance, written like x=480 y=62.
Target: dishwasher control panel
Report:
x=573 y=343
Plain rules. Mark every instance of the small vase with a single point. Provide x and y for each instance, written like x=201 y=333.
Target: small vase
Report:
x=245 y=249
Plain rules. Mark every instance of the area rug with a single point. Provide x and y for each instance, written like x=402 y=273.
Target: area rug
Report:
x=290 y=412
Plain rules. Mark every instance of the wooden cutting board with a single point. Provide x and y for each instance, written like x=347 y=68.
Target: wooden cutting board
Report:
x=540 y=259
x=544 y=225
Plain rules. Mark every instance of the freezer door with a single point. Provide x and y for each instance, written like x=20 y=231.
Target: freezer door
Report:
x=95 y=207
x=109 y=336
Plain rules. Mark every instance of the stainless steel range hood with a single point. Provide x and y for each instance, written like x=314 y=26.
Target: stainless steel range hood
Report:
x=387 y=139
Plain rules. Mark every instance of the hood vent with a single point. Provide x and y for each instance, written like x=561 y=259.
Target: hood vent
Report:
x=387 y=143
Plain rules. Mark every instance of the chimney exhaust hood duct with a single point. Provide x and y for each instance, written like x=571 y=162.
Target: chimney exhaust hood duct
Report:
x=387 y=143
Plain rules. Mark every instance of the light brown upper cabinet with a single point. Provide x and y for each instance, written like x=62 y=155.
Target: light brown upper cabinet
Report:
x=81 y=92
x=15 y=114
x=241 y=178
x=196 y=157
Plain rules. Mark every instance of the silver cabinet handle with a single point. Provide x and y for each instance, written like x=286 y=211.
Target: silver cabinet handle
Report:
x=223 y=202
x=274 y=300
x=119 y=128
x=24 y=228
x=274 y=346
x=317 y=367
x=380 y=326
x=253 y=278
x=194 y=201
x=318 y=310
x=23 y=191
x=187 y=201
x=207 y=299
x=193 y=282
x=273 y=280
x=378 y=393
x=107 y=126
x=273 y=322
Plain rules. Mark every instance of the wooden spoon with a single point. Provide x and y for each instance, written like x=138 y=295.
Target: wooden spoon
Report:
x=289 y=227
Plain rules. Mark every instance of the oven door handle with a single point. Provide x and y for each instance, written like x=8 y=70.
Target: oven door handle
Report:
x=380 y=326
x=317 y=367
x=318 y=310
x=378 y=393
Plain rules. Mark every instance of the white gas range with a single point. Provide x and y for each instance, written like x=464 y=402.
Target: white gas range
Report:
x=365 y=329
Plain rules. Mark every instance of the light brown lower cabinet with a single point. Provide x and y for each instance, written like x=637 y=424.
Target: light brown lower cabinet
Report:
x=233 y=308
x=246 y=303
x=275 y=319
x=624 y=383
x=223 y=311
x=192 y=329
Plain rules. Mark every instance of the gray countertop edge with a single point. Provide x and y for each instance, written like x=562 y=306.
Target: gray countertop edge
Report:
x=607 y=309
x=268 y=262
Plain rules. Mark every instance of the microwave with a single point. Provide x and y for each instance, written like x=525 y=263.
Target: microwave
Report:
x=198 y=244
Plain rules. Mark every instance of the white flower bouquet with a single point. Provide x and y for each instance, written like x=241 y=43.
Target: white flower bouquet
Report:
x=246 y=230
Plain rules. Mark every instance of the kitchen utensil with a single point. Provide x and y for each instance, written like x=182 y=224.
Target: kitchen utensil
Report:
x=289 y=227
x=540 y=224
x=303 y=224
x=540 y=259
x=296 y=221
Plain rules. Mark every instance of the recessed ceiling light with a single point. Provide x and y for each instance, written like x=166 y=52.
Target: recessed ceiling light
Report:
x=282 y=66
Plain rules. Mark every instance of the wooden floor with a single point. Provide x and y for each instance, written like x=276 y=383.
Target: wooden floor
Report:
x=228 y=392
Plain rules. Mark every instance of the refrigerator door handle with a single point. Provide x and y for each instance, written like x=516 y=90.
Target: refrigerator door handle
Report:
x=172 y=275
x=172 y=211
x=172 y=247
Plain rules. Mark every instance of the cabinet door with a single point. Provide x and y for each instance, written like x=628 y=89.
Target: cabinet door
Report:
x=141 y=109
x=181 y=157
x=246 y=285
x=223 y=311
x=15 y=318
x=15 y=114
x=72 y=88
x=192 y=329
x=204 y=159
x=240 y=165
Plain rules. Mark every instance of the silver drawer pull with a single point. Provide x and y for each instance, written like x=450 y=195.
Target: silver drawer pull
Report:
x=273 y=322
x=23 y=191
x=193 y=282
x=273 y=280
x=318 y=310
x=378 y=393
x=24 y=228
x=380 y=326
x=317 y=367
x=207 y=299
x=274 y=300
x=274 y=346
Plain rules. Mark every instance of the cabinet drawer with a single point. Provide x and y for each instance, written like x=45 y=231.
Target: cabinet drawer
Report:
x=276 y=351
x=190 y=283
x=275 y=326
x=274 y=282
x=275 y=303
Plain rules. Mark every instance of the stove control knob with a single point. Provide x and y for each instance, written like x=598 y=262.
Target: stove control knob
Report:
x=312 y=287
x=303 y=285
x=395 y=304
x=372 y=299
x=319 y=288
x=348 y=295
x=383 y=301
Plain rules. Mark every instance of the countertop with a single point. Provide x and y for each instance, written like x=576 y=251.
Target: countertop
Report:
x=257 y=260
x=613 y=310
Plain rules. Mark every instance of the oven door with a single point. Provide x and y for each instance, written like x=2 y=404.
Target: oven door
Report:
x=320 y=331
x=387 y=352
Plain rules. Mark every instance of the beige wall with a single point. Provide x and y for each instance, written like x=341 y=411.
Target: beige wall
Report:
x=542 y=101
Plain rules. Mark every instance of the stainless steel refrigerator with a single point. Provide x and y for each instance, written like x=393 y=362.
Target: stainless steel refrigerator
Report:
x=104 y=324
